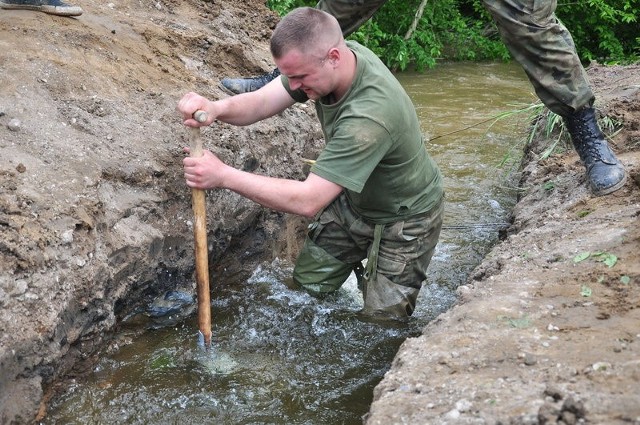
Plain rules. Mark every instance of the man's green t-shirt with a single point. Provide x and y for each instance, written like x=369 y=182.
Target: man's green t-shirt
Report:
x=374 y=145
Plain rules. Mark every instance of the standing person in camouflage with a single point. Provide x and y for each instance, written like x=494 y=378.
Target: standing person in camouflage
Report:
x=374 y=190
x=544 y=48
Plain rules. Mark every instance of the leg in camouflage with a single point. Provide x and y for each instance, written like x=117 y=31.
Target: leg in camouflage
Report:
x=546 y=51
x=339 y=240
x=351 y=14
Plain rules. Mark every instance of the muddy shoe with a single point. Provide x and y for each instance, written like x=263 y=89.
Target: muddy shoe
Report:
x=52 y=7
x=605 y=173
x=245 y=85
x=171 y=303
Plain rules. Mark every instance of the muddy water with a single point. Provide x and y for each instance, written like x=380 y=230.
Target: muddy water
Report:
x=281 y=356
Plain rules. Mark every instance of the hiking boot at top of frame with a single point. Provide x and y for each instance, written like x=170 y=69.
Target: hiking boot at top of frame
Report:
x=605 y=173
x=52 y=7
x=245 y=85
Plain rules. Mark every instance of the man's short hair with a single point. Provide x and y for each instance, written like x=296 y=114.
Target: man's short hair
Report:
x=305 y=29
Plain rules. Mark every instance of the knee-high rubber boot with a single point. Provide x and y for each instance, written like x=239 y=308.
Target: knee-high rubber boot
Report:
x=605 y=173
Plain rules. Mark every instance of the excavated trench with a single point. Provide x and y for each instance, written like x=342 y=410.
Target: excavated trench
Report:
x=280 y=354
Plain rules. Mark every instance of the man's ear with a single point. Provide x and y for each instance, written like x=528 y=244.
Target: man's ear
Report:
x=334 y=56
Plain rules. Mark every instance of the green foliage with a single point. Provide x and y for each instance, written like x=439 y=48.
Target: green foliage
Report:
x=585 y=291
x=282 y=7
x=583 y=213
x=442 y=33
x=607 y=258
x=603 y=30
x=516 y=322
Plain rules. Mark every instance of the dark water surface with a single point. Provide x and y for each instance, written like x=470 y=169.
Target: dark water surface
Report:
x=283 y=357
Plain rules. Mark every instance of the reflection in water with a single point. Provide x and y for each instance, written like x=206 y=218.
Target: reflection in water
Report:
x=281 y=356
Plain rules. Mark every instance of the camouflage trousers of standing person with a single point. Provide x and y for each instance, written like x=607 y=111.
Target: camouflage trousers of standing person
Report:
x=531 y=32
x=397 y=254
x=351 y=14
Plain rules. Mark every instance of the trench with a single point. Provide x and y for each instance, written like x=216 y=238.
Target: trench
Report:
x=281 y=356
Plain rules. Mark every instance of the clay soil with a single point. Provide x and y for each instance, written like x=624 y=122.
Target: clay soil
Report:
x=95 y=221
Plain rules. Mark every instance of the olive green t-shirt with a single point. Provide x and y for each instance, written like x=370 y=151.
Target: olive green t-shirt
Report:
x=374 y=145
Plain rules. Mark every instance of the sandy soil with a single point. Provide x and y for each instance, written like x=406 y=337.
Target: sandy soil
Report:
x=94 y=216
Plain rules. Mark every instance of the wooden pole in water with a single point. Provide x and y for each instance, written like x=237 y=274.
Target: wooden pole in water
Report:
x=200 y=236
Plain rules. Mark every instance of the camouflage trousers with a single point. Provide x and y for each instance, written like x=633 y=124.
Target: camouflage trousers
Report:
x=531 y=32
x=397 y=254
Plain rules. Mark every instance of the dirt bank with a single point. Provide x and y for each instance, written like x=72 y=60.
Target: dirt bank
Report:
x=94 y=217
x=94 y=213
x=548 y=328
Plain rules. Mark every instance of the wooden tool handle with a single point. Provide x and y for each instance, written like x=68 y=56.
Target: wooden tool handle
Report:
x=202 y=264
x=200 y=115
x=200 y=236
x=196 y=140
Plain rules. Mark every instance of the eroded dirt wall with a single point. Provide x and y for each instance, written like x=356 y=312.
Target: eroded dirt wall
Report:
x=95 y=218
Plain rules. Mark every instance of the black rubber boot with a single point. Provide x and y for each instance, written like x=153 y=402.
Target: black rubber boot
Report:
x=605 y=173
x=245 y=85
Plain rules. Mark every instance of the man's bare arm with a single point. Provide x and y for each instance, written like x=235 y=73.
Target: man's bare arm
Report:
x=305 y=198
x=243 y=109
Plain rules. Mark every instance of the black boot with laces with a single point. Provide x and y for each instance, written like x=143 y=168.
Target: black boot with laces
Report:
x=245 y=85
x=605 y=173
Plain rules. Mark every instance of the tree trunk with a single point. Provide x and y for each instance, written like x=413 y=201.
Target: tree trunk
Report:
x=414 y=24
x=416 y=19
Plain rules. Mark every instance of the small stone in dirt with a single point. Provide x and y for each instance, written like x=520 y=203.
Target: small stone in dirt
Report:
x=548 y=414
x=19 y=287
x=530 y=359
x=453 y=414
x=463 y=405
x=67 y=237
x=601 y=366
x=21 y=168
x=574 y=406
x=553 y=392
x=569 y=418
x=14 y=124
x=636 y=179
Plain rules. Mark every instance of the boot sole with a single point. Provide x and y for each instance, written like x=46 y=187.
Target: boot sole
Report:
x=226 y=90
x=51 y=10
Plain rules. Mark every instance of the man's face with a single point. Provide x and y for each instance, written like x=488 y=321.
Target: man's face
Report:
x=307 y=72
